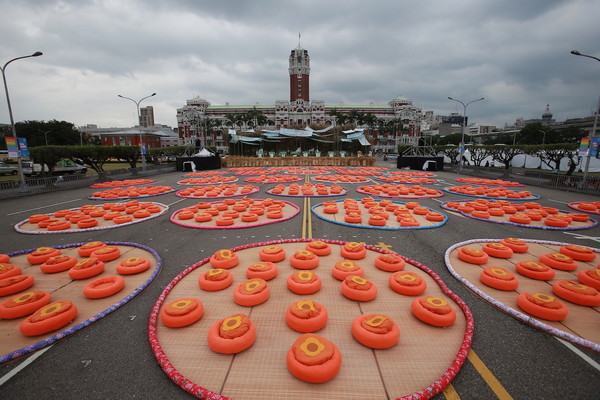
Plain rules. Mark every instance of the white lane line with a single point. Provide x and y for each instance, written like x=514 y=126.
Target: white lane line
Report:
x=556 y=201
x=175 y=202
x=39 y=208
x=22 y=366
x=580 y=353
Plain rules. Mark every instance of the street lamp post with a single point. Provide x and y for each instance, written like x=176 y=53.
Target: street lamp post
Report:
x=137 y=104
x=543 y=137
x=45 y=136
x=463 y=128
x=12 y=121
x=593 y=131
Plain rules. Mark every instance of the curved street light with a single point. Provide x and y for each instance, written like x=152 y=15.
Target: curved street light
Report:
x=137 y=104
x=12 y=121
x=593 y=131
x=463 y=128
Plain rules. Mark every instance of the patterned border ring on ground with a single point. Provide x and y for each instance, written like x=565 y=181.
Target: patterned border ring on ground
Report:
x=261 y=368
x=227 y=218
x=509 y=215
x=307 y=190
x=497 y=193
x=424 y=218
x=104 y=218
x=61 y=287
x=580 y=327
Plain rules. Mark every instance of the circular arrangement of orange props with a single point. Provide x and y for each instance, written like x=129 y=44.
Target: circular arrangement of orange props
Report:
x=273 y=178
x=235 y=213
x=484 y=181
x=406 y=179
x=358 y=288
x=60 y=285
x=318 y=247
x=528 y=214
x=536 y=285
x=231 y=335
x=92 y=217
x=217 y=191
x=592 y=207
x=390 y=262
x=133 y=265
x=399 y=191
x=496 y=192
x=341 y=178
x=379 y=214
x=375 y=331
x=314 y=359
x=306 y=316
x=304 y=259
x=126 y=182
x=412 y=173
x=181 y=312
x=307 y=295
x=130 y=192
x=205 y=173
x=307 y=190
x=208 y=180
x=345 y=268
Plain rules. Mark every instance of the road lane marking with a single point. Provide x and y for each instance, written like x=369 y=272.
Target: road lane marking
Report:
x=487 y=376
x=39 y=208
x=579 y=353
x=22 y=366
x=450 y=393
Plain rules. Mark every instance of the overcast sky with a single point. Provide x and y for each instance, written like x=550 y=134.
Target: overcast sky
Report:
x=515 y=53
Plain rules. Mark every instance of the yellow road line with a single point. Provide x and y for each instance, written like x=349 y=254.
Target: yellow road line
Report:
x=450 y=393
x=306 y=219
x=487 y=375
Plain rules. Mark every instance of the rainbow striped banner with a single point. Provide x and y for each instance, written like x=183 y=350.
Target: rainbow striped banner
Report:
x=584 y=146
x=11 y=146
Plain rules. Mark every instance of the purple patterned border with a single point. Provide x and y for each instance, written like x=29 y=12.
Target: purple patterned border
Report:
x=90 y=197
x=594 y=222
x=177 y=222
x=95 y=228
x=76 y=328
x=385 y=228
x=511 y=311
x=194 y=389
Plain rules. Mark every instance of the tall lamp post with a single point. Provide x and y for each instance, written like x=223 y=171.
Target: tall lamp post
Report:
x=593 y=131
x=543 y=137
x=137 y=104
x=12 y=121
x=463 y=128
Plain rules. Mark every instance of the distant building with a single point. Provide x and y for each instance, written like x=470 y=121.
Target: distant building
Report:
x=545 y=120
x=202 y=124
x=152 y=137
x=146 y=116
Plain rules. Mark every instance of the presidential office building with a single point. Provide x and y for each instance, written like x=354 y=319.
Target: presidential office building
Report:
x=202 y=124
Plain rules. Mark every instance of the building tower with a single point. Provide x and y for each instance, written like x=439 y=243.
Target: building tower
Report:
x=147 y=116
x=299 y=72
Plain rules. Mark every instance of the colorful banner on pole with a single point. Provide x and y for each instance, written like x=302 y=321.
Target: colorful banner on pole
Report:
x=461 y=147
x=11 y=146
x=23 y=147
x=584 y=146
x=594 y=146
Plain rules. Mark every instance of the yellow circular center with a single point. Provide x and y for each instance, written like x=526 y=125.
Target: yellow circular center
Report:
x=543 y=297
x=216 y=271
x=312 y=346
x=358 y=279
x=306 y=305
x=24 y=297
x=225 y=253
x=407 y=277
x=499 y=271
x=50 y=309
x=376 y=320
x=347 y=264
x=535 y=265
x=181 y=304
x=437 y=302
x=92 y=244
x=251 y=285
x=43 y=250
x=231 y=323
x=305 y=275
x=133 y=260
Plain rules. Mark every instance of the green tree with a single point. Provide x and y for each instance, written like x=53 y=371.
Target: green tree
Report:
x=61 y=133
x=504 y=154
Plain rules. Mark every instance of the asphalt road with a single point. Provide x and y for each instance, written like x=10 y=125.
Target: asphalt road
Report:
x=111 y=359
